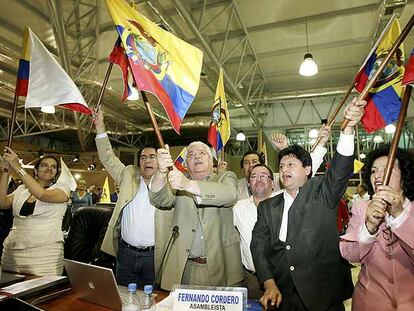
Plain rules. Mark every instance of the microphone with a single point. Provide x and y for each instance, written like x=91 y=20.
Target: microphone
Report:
x=174 y=233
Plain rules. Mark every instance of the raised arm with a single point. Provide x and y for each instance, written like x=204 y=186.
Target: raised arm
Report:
x=5 y=200
x=109 y=160
x=42 y=194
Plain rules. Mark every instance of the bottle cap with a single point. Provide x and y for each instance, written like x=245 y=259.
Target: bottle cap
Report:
x=148 y=289
x=132 y=287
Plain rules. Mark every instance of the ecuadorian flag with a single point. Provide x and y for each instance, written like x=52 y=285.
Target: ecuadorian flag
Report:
x=179 y=162
x=161 y=63
x=409 y=70
x=384 y=99
x=43 y=81
x=219 y=130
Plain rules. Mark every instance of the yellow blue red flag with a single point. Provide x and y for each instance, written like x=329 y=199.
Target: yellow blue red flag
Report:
x=161 y=63
x=219 y=130
x=384 y=99
x=179 y=162
x=409 y=70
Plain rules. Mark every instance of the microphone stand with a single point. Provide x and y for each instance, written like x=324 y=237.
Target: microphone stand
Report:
x=173 y=235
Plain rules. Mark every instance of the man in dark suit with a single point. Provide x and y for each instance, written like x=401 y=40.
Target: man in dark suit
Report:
x=295 y=243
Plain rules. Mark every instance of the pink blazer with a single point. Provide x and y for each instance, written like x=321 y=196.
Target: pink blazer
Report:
x=385 y=282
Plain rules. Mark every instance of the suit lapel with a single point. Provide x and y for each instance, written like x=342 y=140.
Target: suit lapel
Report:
x=276 y=214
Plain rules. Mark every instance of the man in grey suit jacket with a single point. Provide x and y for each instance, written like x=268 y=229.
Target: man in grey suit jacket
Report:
x=295 y=240
x=135 y=234
x=207 y=249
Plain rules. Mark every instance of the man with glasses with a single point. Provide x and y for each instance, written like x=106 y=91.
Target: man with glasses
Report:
x=135 y=226
x=260 y=182
x=207 y=249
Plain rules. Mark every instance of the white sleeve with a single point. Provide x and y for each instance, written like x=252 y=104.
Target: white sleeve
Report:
x=345 y=145
x=317 y=158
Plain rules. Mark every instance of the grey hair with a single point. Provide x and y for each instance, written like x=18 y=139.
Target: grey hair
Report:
x=203 y=145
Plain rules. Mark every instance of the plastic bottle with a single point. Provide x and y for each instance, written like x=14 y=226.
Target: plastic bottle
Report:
x=147 y=302
x=130 y=302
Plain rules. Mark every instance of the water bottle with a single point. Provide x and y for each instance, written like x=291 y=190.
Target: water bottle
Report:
x=130 y=302
x=147 y=302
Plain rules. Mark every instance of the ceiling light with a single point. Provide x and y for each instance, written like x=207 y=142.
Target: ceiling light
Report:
x=362 y=156
x=77 y=176
x=240 y=136
x=75 y=158
x=308 y=67
x=48 y=109
x=390 y=129
x=378 y=139
x=313 y=133
x=92 y=167
x=134 y=93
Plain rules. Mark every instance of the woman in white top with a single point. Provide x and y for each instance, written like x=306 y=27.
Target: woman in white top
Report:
x=35 y=242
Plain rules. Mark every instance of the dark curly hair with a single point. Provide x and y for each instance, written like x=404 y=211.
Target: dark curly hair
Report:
x=49 y=156
x=299 y=153
x=405 y=163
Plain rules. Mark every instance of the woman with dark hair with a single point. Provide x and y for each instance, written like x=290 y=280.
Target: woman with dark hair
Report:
x=35 y=242
x=380 y=235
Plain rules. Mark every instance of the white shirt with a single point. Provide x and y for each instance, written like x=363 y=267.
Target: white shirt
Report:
x=345 y=147
x=245 y=217
x=288 y=199
x=137 y=222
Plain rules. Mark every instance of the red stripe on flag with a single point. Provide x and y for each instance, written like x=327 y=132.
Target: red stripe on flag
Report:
x=77 y=107
x=372 y=119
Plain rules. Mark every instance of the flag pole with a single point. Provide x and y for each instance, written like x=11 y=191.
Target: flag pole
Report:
x=153 y=120
x=13 y=116
x=102 y=91
x=104 y=83
x=335 y=113
x=384 y=63
x=394 y=145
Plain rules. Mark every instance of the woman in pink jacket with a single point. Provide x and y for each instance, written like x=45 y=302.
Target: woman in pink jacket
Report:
x=380 y=236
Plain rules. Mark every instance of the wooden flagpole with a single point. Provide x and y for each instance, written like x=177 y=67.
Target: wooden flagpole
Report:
x=153 y=120
x=394 y=145
x=384 y=63
x=104 y=83
x=102 y=91
x=335 y=113
x=13 y=116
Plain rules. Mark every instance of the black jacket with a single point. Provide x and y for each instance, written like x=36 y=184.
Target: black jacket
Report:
x=309 y=259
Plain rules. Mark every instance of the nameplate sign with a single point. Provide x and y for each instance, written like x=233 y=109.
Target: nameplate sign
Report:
x=192 y=299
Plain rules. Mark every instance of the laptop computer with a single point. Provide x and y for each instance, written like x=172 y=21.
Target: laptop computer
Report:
x=8 y=278
x=94 y=284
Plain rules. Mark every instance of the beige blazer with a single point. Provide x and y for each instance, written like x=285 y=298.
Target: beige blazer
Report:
x=128 y=179
x=215 y=211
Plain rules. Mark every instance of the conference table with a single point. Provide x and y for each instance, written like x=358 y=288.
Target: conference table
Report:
x=67 y=301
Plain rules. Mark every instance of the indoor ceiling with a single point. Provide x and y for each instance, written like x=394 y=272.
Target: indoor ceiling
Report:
x=259 y=43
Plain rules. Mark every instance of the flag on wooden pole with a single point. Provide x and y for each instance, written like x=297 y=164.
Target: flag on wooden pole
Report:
x=43 y=81
x=219 y=130
x=161 y=63
x=384 y=98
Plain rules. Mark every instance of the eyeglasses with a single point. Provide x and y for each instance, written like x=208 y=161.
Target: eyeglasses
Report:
x=391 y=239
x=150 y=157
x=260 y=176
